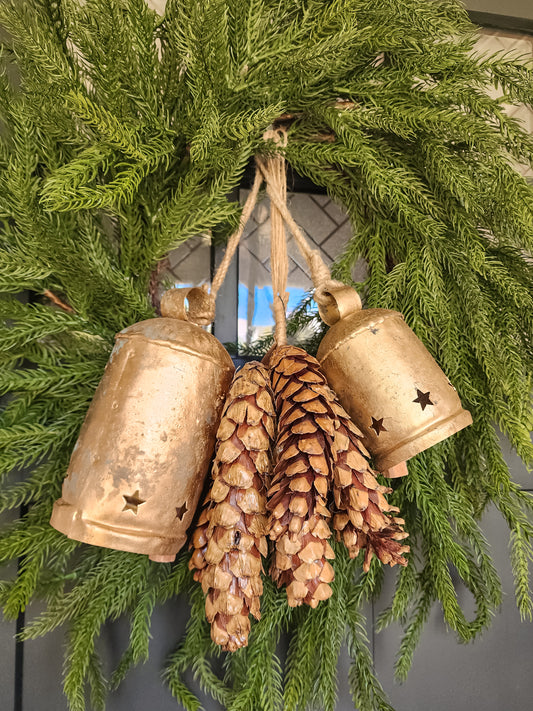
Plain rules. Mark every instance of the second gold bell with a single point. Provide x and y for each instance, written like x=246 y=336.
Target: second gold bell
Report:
x=138 y=466
x=387 y=381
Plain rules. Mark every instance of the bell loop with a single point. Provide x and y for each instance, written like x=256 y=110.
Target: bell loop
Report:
x=194 y=304
x=336 y=301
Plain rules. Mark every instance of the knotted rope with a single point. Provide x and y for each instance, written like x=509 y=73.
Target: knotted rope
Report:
x=200 y=308
x=273 y=171
x=201 y=300
x=319 y=271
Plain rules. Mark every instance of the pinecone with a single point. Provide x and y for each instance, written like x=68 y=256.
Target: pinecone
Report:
x=304 y=468
x=365 y=518
x=230 y=537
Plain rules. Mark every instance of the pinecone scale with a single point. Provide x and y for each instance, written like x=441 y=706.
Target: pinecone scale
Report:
x=364 y=519
x=230 y=539
x=298 y=496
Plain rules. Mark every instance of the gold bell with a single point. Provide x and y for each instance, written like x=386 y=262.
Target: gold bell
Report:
x=386 y=379
x=137 y=470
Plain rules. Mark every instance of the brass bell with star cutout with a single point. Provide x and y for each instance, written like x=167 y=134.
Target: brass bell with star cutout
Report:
x=137 y=470
x=386 y=380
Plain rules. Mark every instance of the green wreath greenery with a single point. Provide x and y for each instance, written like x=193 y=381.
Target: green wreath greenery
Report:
x=122 y=135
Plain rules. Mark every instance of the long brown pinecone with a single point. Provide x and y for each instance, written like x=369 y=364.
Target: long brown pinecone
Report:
x=364 y=518
x=304 y=468
x=231 y=534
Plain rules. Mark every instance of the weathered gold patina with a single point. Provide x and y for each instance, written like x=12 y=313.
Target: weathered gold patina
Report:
x=387 y=381
x=138 y=467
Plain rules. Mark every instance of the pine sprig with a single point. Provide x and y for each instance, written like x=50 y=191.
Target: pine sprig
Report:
x=258 y=685
x=197 y=646
x=367 y=692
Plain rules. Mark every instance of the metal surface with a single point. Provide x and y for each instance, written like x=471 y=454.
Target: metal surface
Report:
x=138 y=467
x=390 y=385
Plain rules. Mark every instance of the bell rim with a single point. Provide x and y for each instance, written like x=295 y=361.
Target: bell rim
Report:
x=69 y=520
x=437 y=432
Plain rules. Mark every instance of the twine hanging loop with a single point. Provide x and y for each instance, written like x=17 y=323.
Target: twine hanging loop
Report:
x=197 y=304
x=272 y=169
x=334 y=299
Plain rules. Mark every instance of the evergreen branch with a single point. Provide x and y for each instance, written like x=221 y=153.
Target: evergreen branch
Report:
x=367 y=692
x=521 y=553
x=196 y=647
x=33 y=322
x=154 y=578
x=52 y=380
x=311 y=667
x=116 y=133
x=194 y=208
x=28 y=444
x=32 y=45
x=301 y=662
x=97 y=683
x=407 y=587
x=17 y=273
x=43 y=480
x=412 y=633
x=59 y=194
x=257 y=685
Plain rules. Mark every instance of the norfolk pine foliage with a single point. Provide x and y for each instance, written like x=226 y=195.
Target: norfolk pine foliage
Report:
x=123 y=133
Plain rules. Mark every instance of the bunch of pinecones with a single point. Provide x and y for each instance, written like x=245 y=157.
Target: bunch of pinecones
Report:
x=318 y=455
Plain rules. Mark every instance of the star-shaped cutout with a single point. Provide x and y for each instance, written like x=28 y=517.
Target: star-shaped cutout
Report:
x=377 y=426
x=423 y=399
x=181 y=511
x=133 y=501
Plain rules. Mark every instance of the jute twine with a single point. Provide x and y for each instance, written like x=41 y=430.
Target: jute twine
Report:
x=271 y=170
x=274 y=174
x=201 y=301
